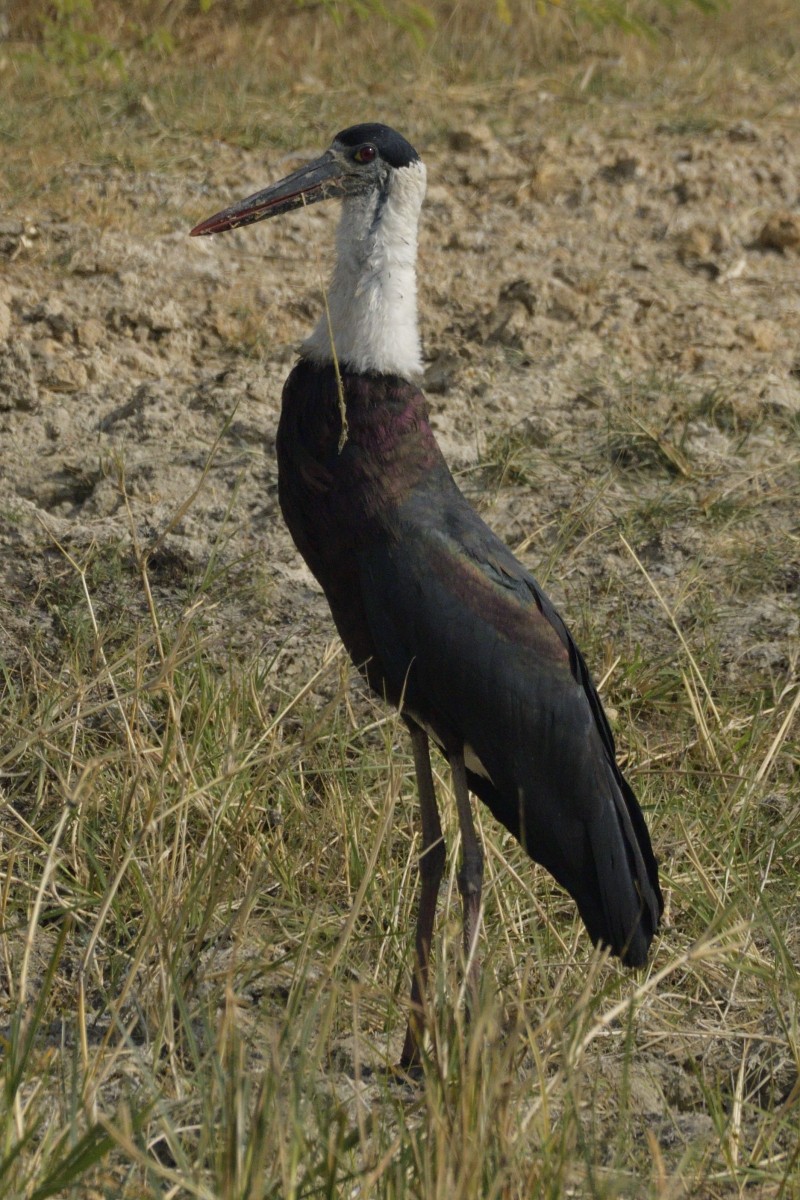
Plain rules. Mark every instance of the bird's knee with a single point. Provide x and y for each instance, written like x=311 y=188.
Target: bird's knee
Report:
x=470 y=876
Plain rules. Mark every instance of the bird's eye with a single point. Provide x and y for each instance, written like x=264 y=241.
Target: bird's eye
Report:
x=365 y=154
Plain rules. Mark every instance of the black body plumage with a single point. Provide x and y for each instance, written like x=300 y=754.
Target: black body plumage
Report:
x=439 y=615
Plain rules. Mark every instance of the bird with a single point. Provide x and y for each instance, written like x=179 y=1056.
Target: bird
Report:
x=433 y=608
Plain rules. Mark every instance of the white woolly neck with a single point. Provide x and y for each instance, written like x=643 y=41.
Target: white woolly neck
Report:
x=372 y=298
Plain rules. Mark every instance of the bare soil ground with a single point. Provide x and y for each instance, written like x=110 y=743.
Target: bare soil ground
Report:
x=612 y=294
x=610 y=300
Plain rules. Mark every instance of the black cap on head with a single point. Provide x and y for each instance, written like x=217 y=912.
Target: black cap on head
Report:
x=393 y=148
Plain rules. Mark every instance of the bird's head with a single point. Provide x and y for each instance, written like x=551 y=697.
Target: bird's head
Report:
x=363 y=160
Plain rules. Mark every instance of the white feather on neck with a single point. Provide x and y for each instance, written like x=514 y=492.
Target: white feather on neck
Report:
x=372 y=299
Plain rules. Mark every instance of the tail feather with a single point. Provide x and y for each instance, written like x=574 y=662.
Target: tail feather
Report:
x=616 y=890
x=630 y=900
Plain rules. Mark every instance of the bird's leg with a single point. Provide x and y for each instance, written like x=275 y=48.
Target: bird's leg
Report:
x=470 y=877
x=431 y=867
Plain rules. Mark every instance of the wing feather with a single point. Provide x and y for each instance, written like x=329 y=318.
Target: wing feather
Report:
x=480 y=654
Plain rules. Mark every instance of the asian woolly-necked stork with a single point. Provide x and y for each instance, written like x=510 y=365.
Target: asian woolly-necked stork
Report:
x=431 y=606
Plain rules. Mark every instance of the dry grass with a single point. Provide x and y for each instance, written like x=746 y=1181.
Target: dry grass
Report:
x=206 y=877
x=208 y=893
x=126 y=103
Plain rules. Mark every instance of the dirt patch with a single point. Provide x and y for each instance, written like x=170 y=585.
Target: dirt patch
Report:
x=616 y=313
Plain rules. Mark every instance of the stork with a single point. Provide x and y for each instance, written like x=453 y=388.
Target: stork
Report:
x=431 y=605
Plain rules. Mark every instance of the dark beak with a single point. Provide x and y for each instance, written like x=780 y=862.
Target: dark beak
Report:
x=316 y=181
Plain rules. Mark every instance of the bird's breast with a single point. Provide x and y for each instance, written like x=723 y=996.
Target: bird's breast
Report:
x=341 y=496
x=347 y=487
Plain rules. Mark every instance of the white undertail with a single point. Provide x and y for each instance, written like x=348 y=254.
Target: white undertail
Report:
x=372 y=298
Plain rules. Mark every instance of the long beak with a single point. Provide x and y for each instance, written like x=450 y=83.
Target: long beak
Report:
x=316 y=181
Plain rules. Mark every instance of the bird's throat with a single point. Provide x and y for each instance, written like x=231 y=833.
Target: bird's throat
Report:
x=371 y=315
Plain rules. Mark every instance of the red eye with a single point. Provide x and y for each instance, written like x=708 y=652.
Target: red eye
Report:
x=365 y=154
